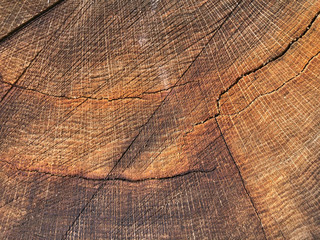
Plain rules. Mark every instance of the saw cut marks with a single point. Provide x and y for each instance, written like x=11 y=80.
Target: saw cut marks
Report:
x=15 y=14
x=158 y=119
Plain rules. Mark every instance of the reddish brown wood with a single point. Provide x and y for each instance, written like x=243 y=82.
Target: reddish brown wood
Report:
x=159 y=119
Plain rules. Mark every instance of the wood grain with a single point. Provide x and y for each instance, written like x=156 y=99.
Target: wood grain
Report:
x=158 y=119
x=15 y=14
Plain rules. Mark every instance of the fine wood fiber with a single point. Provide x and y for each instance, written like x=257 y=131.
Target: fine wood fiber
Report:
x=159 y=119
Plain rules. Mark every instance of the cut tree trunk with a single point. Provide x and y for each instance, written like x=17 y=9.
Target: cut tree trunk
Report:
x=159 y=119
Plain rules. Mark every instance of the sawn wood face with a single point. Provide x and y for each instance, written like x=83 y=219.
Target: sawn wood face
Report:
x=159 y=119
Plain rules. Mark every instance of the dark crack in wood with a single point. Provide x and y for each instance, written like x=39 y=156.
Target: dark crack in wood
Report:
x=266 y=63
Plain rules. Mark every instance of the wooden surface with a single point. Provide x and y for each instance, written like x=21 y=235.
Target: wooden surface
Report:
x=159 y=119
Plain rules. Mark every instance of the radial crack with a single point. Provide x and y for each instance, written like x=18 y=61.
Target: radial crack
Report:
x=101 y=186
x=266 y=63
x=106 y=179
x=19 y=77
x=275 y=90
x=152 y=115
x=140 y=96
x=35 y=17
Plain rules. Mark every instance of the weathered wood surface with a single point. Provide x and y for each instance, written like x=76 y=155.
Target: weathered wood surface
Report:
x=159 y=119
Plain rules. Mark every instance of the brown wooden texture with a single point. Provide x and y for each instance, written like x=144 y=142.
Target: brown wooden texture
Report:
x=159 y=119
